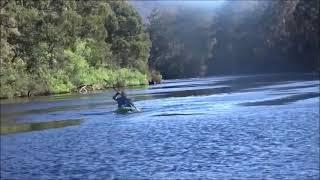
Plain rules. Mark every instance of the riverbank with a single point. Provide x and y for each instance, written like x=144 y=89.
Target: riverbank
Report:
x=60 y=83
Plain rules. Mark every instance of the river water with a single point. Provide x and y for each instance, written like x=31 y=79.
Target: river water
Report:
x=225 y=127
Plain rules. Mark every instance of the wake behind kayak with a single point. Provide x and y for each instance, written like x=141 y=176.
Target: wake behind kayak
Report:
x=127 y=110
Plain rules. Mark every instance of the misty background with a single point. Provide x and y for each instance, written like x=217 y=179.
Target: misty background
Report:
x=198 y=38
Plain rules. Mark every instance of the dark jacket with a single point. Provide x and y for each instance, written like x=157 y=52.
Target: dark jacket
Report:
x=122 y=100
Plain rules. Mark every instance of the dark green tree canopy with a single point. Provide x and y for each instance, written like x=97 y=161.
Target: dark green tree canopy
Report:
x=42 y=42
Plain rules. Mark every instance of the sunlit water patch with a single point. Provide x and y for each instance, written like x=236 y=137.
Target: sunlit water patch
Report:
x=199 y=128
x=11 y=127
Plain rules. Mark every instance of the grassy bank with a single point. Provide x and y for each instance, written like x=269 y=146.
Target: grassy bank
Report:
x=98 y=79
x=60 y=82
x=74 y=72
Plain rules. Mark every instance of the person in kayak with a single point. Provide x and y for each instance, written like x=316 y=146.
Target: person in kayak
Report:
x=122 y=99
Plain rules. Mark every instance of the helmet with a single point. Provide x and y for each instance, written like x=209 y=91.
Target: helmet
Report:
x=123 y=94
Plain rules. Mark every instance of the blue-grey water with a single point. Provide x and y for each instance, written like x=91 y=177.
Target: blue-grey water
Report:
x=225 y=127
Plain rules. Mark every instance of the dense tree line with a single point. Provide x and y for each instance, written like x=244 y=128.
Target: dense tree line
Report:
x=54 y=46
x=239 y=37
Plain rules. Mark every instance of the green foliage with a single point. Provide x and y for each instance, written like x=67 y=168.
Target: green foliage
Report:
x=60 y=82
x=56 y=46
x=13 y=75
x=123 y=76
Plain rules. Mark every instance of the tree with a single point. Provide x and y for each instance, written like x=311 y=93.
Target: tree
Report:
x=40 y=42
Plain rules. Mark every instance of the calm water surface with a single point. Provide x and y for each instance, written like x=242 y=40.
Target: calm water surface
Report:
x=226 y=127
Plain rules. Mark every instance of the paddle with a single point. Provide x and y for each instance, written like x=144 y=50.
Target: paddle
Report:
x=114 y=88
x=134 y=106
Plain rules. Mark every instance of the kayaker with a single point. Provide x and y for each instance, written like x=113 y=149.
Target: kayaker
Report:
x=122 y=99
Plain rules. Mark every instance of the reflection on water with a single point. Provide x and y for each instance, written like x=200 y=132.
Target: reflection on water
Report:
x=8 y=127
x=248 y=127
x=283 y=100
x=178 y=114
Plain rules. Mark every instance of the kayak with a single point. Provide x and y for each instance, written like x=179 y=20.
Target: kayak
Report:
x=125 y=110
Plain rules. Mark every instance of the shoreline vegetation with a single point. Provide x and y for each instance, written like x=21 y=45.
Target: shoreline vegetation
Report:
x=55 y=47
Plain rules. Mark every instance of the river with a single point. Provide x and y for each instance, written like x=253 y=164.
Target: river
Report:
x=223 y=127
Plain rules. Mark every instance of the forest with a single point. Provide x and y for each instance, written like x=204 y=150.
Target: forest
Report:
x=56 y=46
x=240 y=37
x=50 y=47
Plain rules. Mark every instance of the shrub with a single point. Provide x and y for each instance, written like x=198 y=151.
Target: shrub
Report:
x=155 y=76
